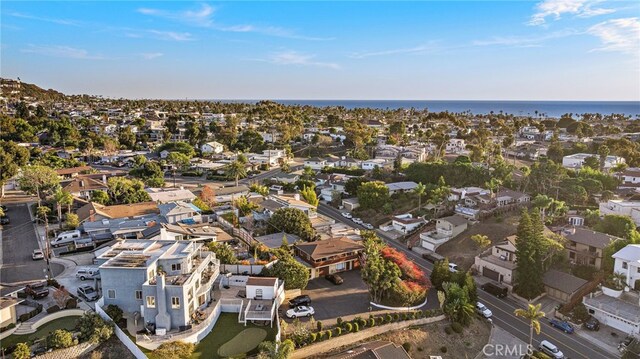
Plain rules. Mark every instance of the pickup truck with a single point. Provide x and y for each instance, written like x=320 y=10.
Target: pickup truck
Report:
x=37 y=290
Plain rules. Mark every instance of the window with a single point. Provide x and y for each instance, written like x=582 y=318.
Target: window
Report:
x=175 y=302
x=624 y=265
x=111 y=294
x=572 y=255
x=138 y=295
x=592 y=261
x=340 y=266
x=151 y=302
x=175 y=267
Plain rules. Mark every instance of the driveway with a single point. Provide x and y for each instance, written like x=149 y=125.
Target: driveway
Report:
x=18 y=242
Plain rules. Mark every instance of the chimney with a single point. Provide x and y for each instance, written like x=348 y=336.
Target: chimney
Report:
x=163 y=320
x=104 y=178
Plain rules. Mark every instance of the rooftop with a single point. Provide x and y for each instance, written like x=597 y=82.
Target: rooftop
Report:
x=563 y=281
x=589 y=237
x=625 y=307
x=329 y=247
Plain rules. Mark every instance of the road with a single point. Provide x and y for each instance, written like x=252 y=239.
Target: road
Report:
x=571 y=345
x=18 y=242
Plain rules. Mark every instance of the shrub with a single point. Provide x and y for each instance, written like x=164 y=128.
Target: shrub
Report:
x=53 y=283
x=448 y=330
x=22 y=294
x=59 y=339
x=329 y=334
x=457 y=327
x=443 y=349
x=52 y=309
x=396 y=317
x=338 y=331
x=114 y=312
x=348 y=327
x=380 y=320
x=372 y=322
x=388 y=318
x=313 y=337
x=93 y=328
x=362 y=322
x=71 y=303
x=22 y=351
x=339 y=320
x=24 y=317
x=406 y=346
x=356 y=327
x=175 y=349
x=319 y=325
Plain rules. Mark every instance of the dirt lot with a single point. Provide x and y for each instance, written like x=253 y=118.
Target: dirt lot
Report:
x=461 y=250
x=431 y=339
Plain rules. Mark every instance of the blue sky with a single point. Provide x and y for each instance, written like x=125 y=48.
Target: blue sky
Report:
x=456 y=50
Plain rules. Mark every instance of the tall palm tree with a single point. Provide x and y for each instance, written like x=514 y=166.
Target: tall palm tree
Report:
x=62 y=198
x=419 y=191
x=533 y=314
x=236 y=169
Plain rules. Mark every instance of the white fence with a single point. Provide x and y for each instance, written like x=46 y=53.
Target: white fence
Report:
x=133 y=348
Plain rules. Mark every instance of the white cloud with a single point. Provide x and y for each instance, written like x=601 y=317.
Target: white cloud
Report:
x=45 y=19
x=621 y=35
x=198 y=17
x=300 y=59
x=61 y=51
x=556 y=8
x=151 y=55
x=410 y=50
x=524 y=41
x=170 y=35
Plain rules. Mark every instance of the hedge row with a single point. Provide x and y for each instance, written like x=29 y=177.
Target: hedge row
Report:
x=26 y=316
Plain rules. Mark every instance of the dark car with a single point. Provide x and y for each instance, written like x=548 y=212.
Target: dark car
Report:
x=498 y=290
x=335 y=279
x=562 y=325
x=592 y=324
x=4 y=219
x=37 y=290
x=4 y=208
x=300 y=300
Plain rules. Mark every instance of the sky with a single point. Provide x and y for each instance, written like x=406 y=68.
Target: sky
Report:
x=428 y=50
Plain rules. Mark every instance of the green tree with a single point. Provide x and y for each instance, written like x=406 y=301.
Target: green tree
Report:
x=224 y=252
x=530 y=252
x=616 y=225
x=100 y=197
x=419 y=191
x=481 y=240
x=122 y=190
x=174 y=350
x=260 y=189
x=126 y=137
x=114 y=312
x=12 y=157
x=603 y=152
x=293 y=221
x=39 y=181
x=542 y=202
x=379 y=274
x=273 y=350
x=352 y=185
x=22 y=351
x=373 y=195
x=72 y=221
x=440 y=273
x=60 y=339
x=533 y=314
x=62 y=198
x=309 y=194
x=457 y=306
x=555 y=152
x=237 y=170
x=294 y=273
x=93 y=328
x=245 y=206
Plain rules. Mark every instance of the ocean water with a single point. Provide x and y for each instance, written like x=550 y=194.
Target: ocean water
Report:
x=520 y=108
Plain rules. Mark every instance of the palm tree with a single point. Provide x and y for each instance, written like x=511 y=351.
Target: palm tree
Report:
x=236 y=169
x=62 y=198
x=543 y=202
x=420 y=190
x=276 y=350
x=533 y=314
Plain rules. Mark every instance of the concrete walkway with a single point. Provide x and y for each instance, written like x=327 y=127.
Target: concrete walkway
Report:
x=498 y=341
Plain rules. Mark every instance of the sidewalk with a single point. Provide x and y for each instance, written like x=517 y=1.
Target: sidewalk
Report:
x=501 y=338
x=604 y=339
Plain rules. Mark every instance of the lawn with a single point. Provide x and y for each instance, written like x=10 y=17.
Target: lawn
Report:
x=68 y=323
x=232 y=338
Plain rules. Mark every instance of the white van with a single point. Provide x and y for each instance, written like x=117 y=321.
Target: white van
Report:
x=550 y=349
x=65 y=238
x=88 y=273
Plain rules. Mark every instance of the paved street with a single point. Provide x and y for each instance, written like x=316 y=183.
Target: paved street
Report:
x=18 y=242
x=572 y=345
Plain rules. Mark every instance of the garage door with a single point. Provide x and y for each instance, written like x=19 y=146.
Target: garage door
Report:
x=490 y=274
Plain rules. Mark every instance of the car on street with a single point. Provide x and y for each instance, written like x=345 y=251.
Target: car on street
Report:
x=592 y=324
x=623 y=345
x=562 y=325
x=37 y=290
x=4 y=208
x=453 y=267
x=37 y=254
x=550 y=349
x=4 y=219
x=483 y=310
x=87 y=293
x=346 y=215
x=300 y=300
x=367 y=226
x=301 y=311
x=498 y=290
x=356 y=220
x=335 y=279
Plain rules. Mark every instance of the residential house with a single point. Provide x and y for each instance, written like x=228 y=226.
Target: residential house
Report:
x=371 y=164
x=506 y=197
x=620 y=309
x=8 y=313
x=585 y=246
x=577 y=160
x=179 y=211
x=283 y=177
x=456 y=145
x=94 y=211
x=276 y=240
x=329 y=256
x=498 y=262
x=166 y=195
x=68 y=173
x=401 y=187
x=350 y=203
x=229 y=194
x=375 y=350
x=405 y=223
x=212 y=148
x=315 y=163
x=446 y=229
x=165 y=282
x=621 y=207
x=119 y=228
x=83 y=186
x=562 y=286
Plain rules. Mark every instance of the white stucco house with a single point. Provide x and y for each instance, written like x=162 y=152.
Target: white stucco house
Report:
x=212 y=147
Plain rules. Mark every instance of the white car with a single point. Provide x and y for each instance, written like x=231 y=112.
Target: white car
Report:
x=346 y=215
x=483 y=310
x=301 y=311
x=356 y=220
x=37 y=254
x=367 y=225
x=453 y=267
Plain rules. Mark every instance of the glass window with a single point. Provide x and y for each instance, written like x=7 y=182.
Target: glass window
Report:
x=111 y=294
x=624 y=265
x=138 y=295
x=175 y=267
x=151 y=302
x=175 y=302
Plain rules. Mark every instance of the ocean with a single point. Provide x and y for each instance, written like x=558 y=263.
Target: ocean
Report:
x=521 y=108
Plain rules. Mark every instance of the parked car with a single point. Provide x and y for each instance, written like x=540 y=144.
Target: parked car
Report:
x=65 y=238
x=37 y=254
x=498 y=290
x=87 y=293
x=453 y=267
x=88 y=273
x=346 y=215
x=548 y=348
x=592 y=324
x=483 y=310
x=4 y=208
x=4 y=219
x=300 y=300
x=623 y=345
x=562 y=325
x=37 y=290
x=356 y=220
x=335 y=279
x=368 y=226
x=301 y=311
